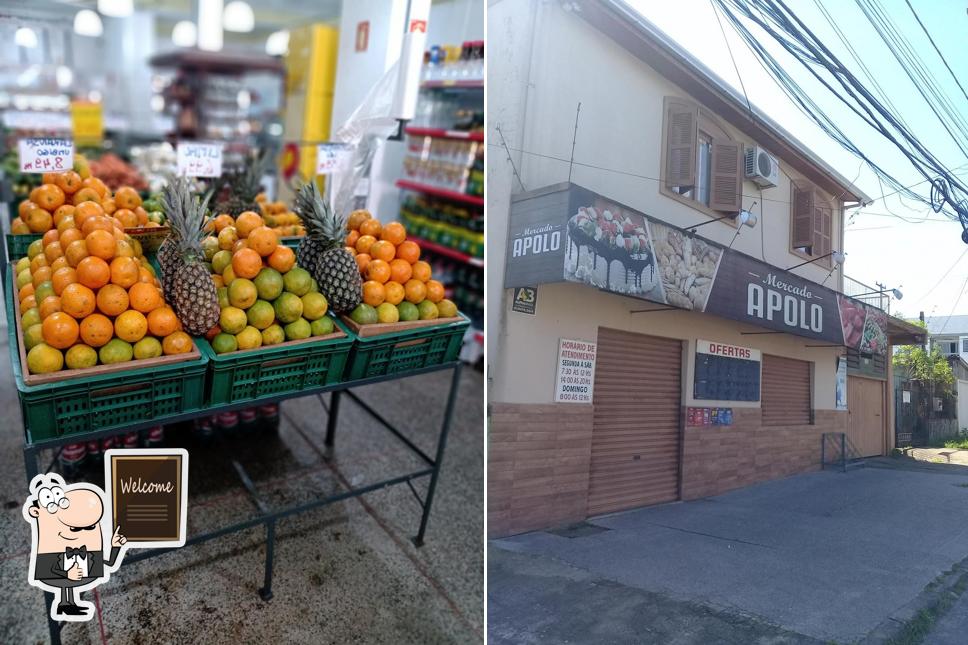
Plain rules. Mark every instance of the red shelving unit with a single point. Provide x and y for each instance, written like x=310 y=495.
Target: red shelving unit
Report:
x=446 y=250
x=446 y=134
x=440 y=192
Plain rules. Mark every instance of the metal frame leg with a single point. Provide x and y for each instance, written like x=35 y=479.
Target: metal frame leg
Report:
x=32 y=470
x=333 y=417
x=266 y=591
x=438 y=459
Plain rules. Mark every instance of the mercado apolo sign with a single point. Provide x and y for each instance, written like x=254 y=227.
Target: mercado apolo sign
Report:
x=569 y=233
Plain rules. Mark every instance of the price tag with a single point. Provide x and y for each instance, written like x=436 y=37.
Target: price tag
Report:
x=330 y=157
x=46 y=155
x=199 y=159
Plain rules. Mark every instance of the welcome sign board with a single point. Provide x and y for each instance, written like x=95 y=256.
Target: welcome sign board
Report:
x=569 y=233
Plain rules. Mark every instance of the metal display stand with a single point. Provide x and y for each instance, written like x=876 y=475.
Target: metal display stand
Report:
x=267 y=516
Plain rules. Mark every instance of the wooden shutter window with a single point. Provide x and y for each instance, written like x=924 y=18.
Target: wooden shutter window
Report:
x=681 y=135
x=785 y=397
x=726 y=190
x=821 y=231
x=803 y=216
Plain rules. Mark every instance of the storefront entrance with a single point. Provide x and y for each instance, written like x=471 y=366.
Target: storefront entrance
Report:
x=635 y=435
x=865 y=424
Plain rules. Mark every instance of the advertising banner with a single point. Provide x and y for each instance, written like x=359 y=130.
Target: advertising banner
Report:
x=571 y=234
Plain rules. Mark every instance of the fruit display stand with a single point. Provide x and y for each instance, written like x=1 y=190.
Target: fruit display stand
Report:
x=383 y=349
x=16 y=247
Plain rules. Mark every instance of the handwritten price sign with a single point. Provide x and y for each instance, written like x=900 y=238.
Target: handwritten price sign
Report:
x=46 y=155
x=199 y=159
x=330 y=157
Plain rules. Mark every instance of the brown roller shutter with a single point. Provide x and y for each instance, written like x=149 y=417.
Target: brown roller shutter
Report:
x=785 y=391
x=803 y=215
x=635 y=436
x=726 y=192
x=681 y=134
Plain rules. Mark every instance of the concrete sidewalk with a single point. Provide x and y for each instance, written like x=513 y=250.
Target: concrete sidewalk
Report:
x=823 y=556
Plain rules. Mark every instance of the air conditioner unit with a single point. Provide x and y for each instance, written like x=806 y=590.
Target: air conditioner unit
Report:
x=762 y=167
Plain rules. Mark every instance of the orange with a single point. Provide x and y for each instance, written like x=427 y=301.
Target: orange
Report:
x=97 y=330
x=247 y=222
x=48 y=197
x=59 y=263
x=145 y=297
x=53 y=251
x=239 y=244
x=84 y=210
x=112 y=299
x=41 y=274
x=378 y=271
x=25 y=207
x=29 y=302
x=357 y=218
x=25 y=291
x=97 y=223
x=246 y=263
x=127 y=218
x=218 y=280
x=263 y=240
x=96 y=184
x=282 y=259
x=49 y=305
x=19 y=227
x=408 y=251
x=100 y=244
x=60 y=330
x=77 y=300
x=69 y=182
x=40 y=260
x=421 y=271
x=38 y=220
x=222 y=221
x=93 y=272
x=142 y=216
x=373 y=293
x=362 y=260
x=416 y=291
x=382 y=250
x=50 y=236
x=127 y=198
x=70 y=235
x=109 y=206
x=119 y=234
x=163 y=321
x=75 y=252
x=86 y=194
x=435 y=291
x=177 y=343
x=124 y=271
x=394 y=233
x=395 y=292
x=131 y=326
x=144 y=275
x=63 y=211
x=65 y=224
x=123 y=249
x=400 y=271
x=371 y=227
x=364 y=243
x=352 y=238
x=63 y=277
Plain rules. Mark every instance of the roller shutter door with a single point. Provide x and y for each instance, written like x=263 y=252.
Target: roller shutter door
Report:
x=635 y=438
x=785 y=391
x=865 y=423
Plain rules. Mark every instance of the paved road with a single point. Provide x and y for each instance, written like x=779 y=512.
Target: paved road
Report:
x=818 y=557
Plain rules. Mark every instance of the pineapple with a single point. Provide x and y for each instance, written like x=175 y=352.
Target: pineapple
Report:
x=322 y=253
x=244 y=187
x=187 y=283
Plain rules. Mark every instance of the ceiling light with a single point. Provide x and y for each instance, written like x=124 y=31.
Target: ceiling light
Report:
x=64 y=76
x=157 y=103
x=210 y=25
x=94 y=96
x=277 y=44
x=25 y=37
x=184 y=34
x=88 y=23
x=238 y=17
x=243 y=99
x=116 y=8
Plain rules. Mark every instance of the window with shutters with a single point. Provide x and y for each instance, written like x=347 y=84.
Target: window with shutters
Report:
x=785 y=396
x=811 y=223
x=702 y=165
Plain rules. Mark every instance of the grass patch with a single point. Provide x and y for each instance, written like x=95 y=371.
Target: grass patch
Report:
x=919 y=627
x=957 y=444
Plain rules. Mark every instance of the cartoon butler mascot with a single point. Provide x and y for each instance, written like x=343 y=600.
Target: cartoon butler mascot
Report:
x=67 y=548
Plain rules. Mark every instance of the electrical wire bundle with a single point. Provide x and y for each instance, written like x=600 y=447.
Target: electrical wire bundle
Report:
x=948 y=195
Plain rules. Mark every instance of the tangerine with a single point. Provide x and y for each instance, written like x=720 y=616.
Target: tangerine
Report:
x=124 y=271
x=75 y=252
x=415 y=290
x=109 y=206
x=222 y=221
x=29 y=302
x=408 y=251
x=282 y=258
x=38 y=220
x=127 y=218
x=364 y=243
x=131 y=326
x=362 y=260
x=263 y=240
x=435 y=291
x=25 y=207
x=53 y=251
x=84 y=210
x=356 y=218
x=86 y=194
x=352 y=238
x=395 y=292
x=41 y=274
x=247 y=222
x=26 y=290
x=51 y=236
x=69 y=182
x=127 y=198
x=112 y=299
x=383 y=250
x=97 y=330
x=77 y=300
x=63 y=211
x=421 y=271
x=60 y=330
x=177 y=343
x=378 y=271
x=100 y=244
x=63 y=277
x=400 y=271
x=371 y=227
x=96 y=184
x=394 y=233
x=48 y=197
x=59 y=263
x=246 y=263
x=374 y=293
x=19 y=227
x=145 y=297
x=93 y=272
x=163 y=321
x=97 y=223
x=69 y=235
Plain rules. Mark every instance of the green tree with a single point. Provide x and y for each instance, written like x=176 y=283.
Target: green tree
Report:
x=929 y=367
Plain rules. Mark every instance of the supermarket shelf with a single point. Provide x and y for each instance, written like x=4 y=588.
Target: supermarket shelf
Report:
x=446 y=250
x=478 y=83
x=446 y=134
x=440 y=192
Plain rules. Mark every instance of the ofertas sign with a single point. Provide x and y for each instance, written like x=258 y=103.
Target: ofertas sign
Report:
x=199 y=159
x=46 y=155
x=576 y=371
x=727 y=351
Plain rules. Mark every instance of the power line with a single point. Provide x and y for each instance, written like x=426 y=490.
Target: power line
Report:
x=941 y=279
x=940 y=55
x=955 y=306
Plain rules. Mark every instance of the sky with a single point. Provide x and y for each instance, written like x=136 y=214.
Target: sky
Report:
x=925 y=259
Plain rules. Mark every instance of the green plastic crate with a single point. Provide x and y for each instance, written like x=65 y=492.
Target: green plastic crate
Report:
x=292 y=241
x=276 y=369
x=79 y=405
x=407 y=350
x=17 y=244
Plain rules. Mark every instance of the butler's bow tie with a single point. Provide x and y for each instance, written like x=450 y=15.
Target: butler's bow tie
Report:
x=72 y=552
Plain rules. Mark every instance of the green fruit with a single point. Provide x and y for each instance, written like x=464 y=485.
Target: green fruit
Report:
x=221 y=260
x=232 y=320
x=249 y=338
x=156 y=216
x=408 y=311
x=273 y=335
x=31 y=317
x=242 y=293
x=210 y=247
x=43 y=290
x=447 y=308
x=23 y=264
x=223 y=298
x=269 y=282
x=23 y=278
x=288 y=306
x=314 y=305
x=43 y=359
x=80 y=356
x=224 y=343
x=298 y=281
x=298 y=330
x=364 y=314
x=36 y=248
x=322 y=326
x=147 y=347
x=116 y=351
x=387 y=313
x=261 y=314
x=428 y=310
x=33 y=336
x=314 y=286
